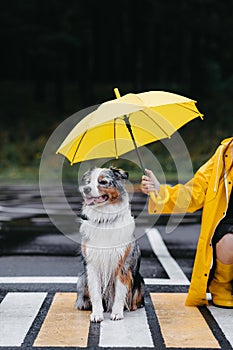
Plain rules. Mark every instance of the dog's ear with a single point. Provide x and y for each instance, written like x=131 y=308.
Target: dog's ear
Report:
x=120 y=174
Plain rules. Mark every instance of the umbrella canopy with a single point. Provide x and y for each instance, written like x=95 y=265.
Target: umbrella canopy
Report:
x=133 y=120
x=126 y=123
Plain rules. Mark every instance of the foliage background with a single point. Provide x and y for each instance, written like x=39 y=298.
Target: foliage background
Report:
x=58 y=57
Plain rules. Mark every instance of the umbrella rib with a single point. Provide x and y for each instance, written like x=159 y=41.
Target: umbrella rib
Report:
x=78 y=147
x=156 y=123
x=190 y=109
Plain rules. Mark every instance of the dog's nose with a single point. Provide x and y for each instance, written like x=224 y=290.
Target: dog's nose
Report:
x=87 y=190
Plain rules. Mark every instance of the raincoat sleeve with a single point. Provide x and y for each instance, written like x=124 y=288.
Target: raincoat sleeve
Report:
x=187 y=197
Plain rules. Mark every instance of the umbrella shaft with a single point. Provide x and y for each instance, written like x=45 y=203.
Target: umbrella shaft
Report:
x=127 y=123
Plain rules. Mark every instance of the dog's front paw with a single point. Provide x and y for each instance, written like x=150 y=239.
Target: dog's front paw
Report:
x=115 y=316
x=97 y=317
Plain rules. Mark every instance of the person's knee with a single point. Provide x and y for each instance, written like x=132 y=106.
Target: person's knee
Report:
x=224 y=249
x=227 y=240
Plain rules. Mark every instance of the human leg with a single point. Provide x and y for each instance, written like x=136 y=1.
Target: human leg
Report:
x=221 y=284
x=224 y=249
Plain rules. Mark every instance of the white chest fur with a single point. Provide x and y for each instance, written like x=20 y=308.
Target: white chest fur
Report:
x=105 y=238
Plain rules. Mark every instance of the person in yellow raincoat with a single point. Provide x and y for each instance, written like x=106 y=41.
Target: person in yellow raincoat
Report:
x=211 y=190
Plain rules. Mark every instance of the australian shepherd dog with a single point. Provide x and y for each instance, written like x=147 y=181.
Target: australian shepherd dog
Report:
x=111 y=281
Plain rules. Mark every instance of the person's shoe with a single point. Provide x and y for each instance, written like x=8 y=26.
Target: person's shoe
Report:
x=221 y=285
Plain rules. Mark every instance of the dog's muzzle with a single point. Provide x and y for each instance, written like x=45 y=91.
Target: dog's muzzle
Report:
x=88 y=200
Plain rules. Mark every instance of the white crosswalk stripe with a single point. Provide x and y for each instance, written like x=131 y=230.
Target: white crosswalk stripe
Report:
x=132 y=331
x=17 y=312
x=224 y=318
x=176 y=275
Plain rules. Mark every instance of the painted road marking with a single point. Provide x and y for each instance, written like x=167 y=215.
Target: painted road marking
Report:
x=182 y=326
x=17 y=312
x=169 y=264
x=176 y=275
x=64 y=325
x=73 y=280
x=224 y=318
x=132 y=331
x=39 y=279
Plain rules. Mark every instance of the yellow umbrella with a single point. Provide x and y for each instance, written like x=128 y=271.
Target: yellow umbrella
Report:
x=128 y=122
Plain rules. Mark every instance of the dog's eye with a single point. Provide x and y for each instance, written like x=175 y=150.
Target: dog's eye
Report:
x=103 y=182
x=86 y=179
x=84 y=183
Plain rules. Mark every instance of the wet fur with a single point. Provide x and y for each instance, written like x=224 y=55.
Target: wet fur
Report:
x=111 y=280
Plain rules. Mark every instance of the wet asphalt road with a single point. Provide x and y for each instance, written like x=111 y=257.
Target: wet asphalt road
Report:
x=31 y=246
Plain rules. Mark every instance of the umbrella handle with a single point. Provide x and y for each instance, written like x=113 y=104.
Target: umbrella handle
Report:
x=158 y=199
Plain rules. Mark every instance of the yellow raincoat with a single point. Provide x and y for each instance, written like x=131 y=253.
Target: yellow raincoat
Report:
x=209 y=190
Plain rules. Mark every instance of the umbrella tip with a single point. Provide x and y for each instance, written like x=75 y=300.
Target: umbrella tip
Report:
x=117 y=93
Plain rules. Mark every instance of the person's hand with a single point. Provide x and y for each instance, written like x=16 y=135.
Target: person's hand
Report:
x=150 y=183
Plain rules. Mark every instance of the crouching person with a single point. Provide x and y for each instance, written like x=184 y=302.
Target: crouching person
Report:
x=210 y=190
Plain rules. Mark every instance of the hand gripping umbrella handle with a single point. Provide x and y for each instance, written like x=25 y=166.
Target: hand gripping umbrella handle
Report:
x=155 y=199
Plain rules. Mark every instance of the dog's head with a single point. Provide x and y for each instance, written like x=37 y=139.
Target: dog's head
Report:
x=101 y=186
